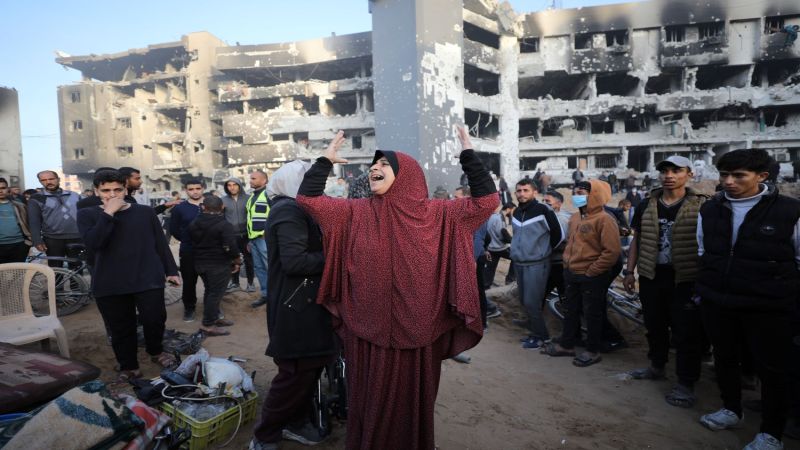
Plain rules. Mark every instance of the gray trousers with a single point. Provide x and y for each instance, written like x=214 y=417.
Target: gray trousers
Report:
x=531 y=282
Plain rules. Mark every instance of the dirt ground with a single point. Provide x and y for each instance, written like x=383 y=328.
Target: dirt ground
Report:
x=507 y=398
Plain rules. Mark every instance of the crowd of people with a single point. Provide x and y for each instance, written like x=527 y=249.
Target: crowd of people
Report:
x=715 y=273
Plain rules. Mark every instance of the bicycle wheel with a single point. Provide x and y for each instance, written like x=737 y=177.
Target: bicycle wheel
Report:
x=72 y=293
x=172 y=294
x=628 y=307
x=555 y=305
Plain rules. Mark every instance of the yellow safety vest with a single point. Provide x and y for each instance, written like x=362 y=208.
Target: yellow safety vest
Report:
x=257 y=212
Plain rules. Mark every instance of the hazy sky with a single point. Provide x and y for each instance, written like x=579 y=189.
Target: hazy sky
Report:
x=33 y=30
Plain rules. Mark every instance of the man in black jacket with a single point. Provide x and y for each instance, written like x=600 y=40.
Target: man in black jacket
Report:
x=216 y=255
x=118 y=232
x=301 y=339
x=747 y=287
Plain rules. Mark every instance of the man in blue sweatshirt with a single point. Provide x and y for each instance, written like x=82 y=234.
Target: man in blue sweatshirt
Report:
x=536 y=233
x=122 y=233
x=182 y=216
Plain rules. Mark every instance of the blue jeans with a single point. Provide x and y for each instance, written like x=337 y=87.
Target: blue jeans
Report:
x=531 y=282
x=258 y=248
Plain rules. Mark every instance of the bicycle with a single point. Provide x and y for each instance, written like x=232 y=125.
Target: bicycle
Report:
x=627 y=305
x=72 y=288
x=72 y=285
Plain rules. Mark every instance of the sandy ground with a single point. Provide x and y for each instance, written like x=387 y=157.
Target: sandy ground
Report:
x=507 y=398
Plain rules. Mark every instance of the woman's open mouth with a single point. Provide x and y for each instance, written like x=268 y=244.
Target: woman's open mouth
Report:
x=376 y=177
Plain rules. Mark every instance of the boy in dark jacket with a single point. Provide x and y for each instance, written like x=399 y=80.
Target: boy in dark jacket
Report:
x=747 y=287
x=216 y=255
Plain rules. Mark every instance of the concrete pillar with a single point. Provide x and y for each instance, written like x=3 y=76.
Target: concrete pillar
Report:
x=509 y=114
x=418 y=81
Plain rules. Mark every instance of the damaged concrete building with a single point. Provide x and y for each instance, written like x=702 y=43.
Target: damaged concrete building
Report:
x=10 y=138
x=614 y=88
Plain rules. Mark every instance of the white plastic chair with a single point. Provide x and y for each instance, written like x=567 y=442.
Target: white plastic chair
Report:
x=18 y=324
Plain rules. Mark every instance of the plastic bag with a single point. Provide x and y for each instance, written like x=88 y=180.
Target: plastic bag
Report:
x=219 y=370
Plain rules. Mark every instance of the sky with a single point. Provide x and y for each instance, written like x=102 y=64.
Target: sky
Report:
x=33 y=30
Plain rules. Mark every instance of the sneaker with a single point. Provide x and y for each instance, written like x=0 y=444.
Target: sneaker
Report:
x=232 y=287
x=764 y=441
x=463 y=358
x=612 y=346
x=533 y=343
x=250 y=287
x=188 y=315
x=723 y=419
x=255 y=444
x=221 y=314
x=307 y=434
x=494 y=313
x=260 y=302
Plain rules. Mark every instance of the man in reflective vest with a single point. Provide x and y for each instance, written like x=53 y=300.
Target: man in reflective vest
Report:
x=257 y=212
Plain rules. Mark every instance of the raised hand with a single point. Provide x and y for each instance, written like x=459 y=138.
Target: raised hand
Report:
x=463 y=137
x=333 y=148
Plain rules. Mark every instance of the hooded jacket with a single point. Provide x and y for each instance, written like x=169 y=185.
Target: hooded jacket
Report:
x=214 y=241
x=593 y=246
x=536 y=233
x=236 y=208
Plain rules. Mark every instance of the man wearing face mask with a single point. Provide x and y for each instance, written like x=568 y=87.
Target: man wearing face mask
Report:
x=592 y=249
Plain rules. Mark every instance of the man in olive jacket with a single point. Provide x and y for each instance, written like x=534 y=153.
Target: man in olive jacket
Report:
x=665 y=251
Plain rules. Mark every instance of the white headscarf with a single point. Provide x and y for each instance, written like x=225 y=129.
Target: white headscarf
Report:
x=286 y=180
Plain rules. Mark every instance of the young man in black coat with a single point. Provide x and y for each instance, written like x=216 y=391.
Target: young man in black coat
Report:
x=301 y=339
x=216 y=255
x=131 y=262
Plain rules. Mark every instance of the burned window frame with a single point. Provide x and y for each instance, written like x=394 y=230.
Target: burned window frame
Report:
x=124 y=122
x=530 y=44
x=710 y=30
x=77 y=125
x=675 y=33
x=75 y=96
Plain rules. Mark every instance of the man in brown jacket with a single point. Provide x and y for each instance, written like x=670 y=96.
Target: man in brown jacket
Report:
x=593 y=247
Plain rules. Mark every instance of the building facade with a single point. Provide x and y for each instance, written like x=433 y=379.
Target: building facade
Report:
x=10 y=138
x=608 y=88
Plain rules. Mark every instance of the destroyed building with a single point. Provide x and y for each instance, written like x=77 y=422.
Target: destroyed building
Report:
x=10 y=138
x=616 y=87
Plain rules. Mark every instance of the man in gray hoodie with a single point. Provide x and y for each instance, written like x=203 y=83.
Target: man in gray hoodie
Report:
x=235 y=201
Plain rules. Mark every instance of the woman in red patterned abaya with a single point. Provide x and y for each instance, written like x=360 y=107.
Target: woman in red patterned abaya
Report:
x=400 y=280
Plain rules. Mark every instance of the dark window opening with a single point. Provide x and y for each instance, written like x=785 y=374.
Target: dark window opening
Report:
x=306 y=104
x=675 y=33
x=775 y=118
x=231 y=107
x=583 y=41
x=530 y=162
x=663 y=83
x=175 y=118
x=556 y=85
x=785 y=72
x=620 y=84
x=481 y=82
x=75 y=96
x=551 y=128
x=603 y=127
x=482 y=125
x=356 y=142
x=125 y=151
x=279 y=136
x=605 y=161
x=774 y=24
x=478 y=34
x=369 y=99
x=614 y=38
x=529 y=45
x=124 y=122
x=710 y=30
x=699 y=119
x=715 y=77
x=235 y=140
x=220 y=158
x=638 y=157
x=639 y=124
x=529 y=128
x=343 y=104
x=301 y=138
x=575 y=162
x=263 y=104
x=77 y=125
x=79 y=153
